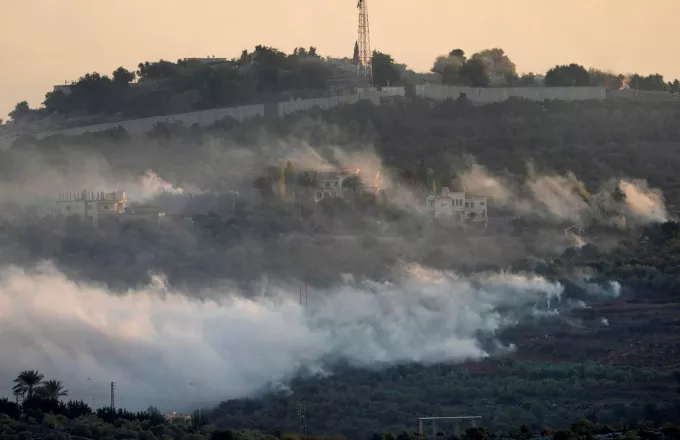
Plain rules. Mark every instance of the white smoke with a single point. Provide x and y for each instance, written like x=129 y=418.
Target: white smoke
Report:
x=151 y=185
x=644 y=202
x=564 y=198
x=155 y=342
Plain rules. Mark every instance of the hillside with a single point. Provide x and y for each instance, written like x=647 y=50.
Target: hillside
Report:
x=606 y=353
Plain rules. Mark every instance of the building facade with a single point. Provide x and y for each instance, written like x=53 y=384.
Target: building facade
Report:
x=92 y=206
x=457 y=208
x=330 y=184
x=101 y=207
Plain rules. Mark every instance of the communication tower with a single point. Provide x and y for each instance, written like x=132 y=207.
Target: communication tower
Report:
x=364 y=40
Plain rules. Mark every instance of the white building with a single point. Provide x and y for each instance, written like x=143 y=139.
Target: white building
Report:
x=458 y=208
x=92 y=206
x=64 y=88
x=330 y=184
x=99 y=207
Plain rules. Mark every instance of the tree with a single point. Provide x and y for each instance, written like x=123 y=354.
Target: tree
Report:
x=497 y=65
x=459 y=53
x=653 y=82
x=157 y=70
x=27 y=381
x=94 y=93
x=123 y=76
x=448 y=66
x=674 y=87
x=21 y=110
x=384 y=71
x=567 y=76
x=51 y=390
x=263 y=184
x=605 y=79
x=473 y=73
x=526 y=80
x=197 y=421
x=355 y=55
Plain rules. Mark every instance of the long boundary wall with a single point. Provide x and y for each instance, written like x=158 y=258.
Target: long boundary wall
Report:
x=490 y=95
x=326 y=103
x=140 y=126
x=430 y=91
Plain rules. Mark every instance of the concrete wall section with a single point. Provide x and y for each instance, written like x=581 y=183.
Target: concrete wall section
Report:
x=140 y=126
x=288 y=107
x=498 y=94
x=478 y=96
x=641 y=95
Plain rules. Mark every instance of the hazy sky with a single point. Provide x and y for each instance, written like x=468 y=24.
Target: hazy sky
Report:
x=46 y=42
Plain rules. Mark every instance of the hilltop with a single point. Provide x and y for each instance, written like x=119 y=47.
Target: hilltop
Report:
x=266 y=75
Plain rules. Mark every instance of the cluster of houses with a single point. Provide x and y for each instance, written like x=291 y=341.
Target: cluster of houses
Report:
x=448 y=207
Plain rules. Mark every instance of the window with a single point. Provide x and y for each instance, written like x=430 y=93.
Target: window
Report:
x=68 y=207
x=89 y=206
x=106 y=206
x=482 y=203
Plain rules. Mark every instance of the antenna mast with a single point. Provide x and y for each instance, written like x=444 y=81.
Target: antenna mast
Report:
x=364 y=67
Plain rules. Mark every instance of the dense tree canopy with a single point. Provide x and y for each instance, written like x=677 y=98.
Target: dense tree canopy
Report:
x=384 y=71
x=567 y=76
x=267 y=74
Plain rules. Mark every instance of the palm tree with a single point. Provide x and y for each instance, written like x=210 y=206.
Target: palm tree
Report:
x=51 y=390
x=26 y=382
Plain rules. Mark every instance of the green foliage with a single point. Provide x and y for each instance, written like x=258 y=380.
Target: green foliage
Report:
x=20 y=112
x=567 y=76
x=654 y=82
x=123 y=76
x=51 y=389
x=497 y=64
x=26 y=382
x=474 y=73
x=607 y=80
x=384 y=71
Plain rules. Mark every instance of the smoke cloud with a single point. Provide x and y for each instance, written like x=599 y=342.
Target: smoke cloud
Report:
x=564 y=198
x=155 y=342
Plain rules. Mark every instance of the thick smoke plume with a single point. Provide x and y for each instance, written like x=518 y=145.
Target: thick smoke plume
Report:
x=564 y=198
x=156 y=342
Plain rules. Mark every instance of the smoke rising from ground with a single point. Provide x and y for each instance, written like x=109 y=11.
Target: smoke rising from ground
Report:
x=564 y=198
x=155 y=341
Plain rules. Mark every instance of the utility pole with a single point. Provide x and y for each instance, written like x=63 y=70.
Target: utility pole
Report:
x=199 y=408
x=92 y=392
x=303 y=295
x=301 y=418
x=113 y=401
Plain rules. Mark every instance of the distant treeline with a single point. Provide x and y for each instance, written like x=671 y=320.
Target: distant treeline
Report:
x=268 y=74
